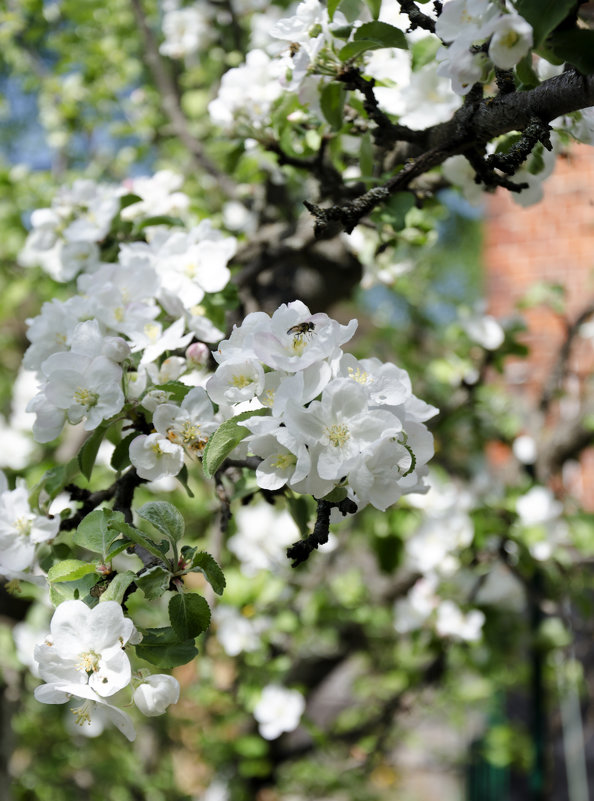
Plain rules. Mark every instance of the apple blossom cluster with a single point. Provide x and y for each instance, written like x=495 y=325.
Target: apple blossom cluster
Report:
x=83 y=659
x=103 y=347
x=464 y=23
x=333 y=422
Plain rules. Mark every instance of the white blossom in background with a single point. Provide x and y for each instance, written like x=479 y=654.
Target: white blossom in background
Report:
x=540 y=512
x=413 y=611
x=452 y=622
x=247 y=93
x=21 y=529
x=524 y=449
x=482 y=328
x=237 y=633
x=185 y=31
x=263 y=535
x=156 y=693
x=279 y=710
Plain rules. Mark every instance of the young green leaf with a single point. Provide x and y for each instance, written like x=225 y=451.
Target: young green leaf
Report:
x=154 y=582
x=89 y=450
x=189 y=614
x=94 y=532
x=204 y=563
x=332 y=5
x=69 y=570
x=383 y=33
x=332 y=103
x=120 y=458
x=118 y=586
x=165 y=518
x=140 y=538
x=225 y=439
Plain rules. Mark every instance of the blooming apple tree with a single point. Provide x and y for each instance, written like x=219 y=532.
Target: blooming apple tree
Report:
x=233 y=354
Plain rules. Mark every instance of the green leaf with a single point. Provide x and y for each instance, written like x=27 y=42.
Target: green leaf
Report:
x=332 y=103
x=354 y=49
x=54 y=481
x=225 y=438
x=163 y=648
x=423 y=52
x=332 y=5
x=120 y=458
x=72 y=590
x=375 y=7
x=204 y=563
x=182 y=477
x=154 y=582
x=94 y=532
x=526 y=73
x=69 y=570
x=576 y=47
x=544 y=15
x=161 y=219
x=118 y=586
x=381 y=32
x=189 y=614
x=140 y=538
x=165 y=518
x=395 y=210
x=177 y=391
x=300 y=512
x=89 y=450
x=336 y=495
x=129 y=200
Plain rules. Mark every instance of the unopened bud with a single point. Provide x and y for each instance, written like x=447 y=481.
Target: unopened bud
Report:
x=116 y=349
x=198 y=354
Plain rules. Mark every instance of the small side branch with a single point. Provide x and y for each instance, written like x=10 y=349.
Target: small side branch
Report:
x=417 y=18
x=387 y=132
x=299 y=551
x=536 y=131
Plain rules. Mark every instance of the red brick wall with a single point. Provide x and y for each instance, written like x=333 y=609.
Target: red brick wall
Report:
x=551 y=241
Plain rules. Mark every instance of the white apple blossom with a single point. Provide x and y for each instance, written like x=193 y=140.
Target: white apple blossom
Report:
x=93 y=706
x=189 y=425
x=86 y=389
x=512 y=38
x=342 y=425
x=156 y=693
x=236 y=381
x=279 y=710
x=154 y=456
x=160 y=195
x=21 y=529
x=86 y=647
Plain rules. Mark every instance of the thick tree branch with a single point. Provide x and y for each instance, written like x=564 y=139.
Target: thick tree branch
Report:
x=471 y=127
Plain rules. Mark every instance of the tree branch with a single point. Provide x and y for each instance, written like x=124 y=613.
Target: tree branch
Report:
x=471 y=127
x=171 y=103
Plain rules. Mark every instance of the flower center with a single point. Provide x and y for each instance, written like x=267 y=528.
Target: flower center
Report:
x=284 y=460
x=338 y=434
x=190 y=431
x=156 y=449
x=360 y=376
x=241 y=381
x=85 y=397
x=23 y=526
x=89 y=662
